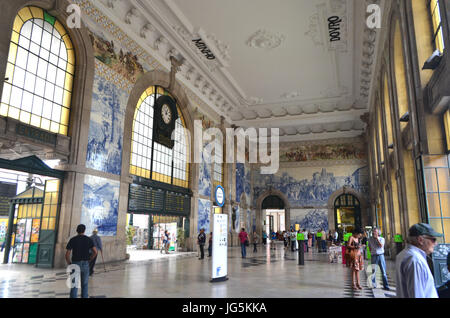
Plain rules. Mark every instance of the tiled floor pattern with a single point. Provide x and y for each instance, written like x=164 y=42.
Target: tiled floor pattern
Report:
x=267 y=274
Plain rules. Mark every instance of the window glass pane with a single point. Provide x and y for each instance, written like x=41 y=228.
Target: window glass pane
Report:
x=434 y=208
x=436 y=224
x=446 y=225
x=445 y=204
x=47 y=46
x=430 y=179
x=26 y=29
x=444 y=179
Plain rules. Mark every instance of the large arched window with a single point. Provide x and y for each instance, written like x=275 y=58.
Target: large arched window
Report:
x=150 y=159
x=39 y=75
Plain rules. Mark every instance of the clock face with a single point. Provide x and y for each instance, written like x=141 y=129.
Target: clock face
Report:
x=166 y=114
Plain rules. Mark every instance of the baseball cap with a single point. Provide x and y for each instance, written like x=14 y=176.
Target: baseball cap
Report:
x=423 y=229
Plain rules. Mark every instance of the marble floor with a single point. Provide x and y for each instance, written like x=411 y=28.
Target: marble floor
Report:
x=264 y=274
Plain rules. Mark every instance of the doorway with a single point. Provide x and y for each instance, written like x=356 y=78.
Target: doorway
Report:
x=347 y=209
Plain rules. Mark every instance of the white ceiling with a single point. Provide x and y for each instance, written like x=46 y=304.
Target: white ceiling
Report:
x=275 y=65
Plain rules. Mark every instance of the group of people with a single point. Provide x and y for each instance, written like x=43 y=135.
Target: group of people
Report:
x=413 y=275
x=201 y=241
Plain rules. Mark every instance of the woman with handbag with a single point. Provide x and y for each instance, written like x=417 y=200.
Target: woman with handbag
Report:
x=355 y=257
x=243 y=238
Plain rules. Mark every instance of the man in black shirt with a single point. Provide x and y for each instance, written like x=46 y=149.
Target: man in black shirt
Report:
x=201 y=242
x=80 y=246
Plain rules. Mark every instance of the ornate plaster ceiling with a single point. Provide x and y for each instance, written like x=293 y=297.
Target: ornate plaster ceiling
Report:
x=274 y=64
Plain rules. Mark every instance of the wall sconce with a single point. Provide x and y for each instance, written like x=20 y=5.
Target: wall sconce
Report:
x=391 y=146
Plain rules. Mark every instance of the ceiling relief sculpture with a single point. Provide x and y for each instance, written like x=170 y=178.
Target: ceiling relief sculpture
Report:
x=264 y=39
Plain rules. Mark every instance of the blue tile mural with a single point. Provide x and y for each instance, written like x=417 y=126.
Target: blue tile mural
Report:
x=204 y=182
x=100 y=206
x=310 y=219
x=243 y=182
x=204 y=211
x=236 y=220
x=314 y=191
x=104 y=150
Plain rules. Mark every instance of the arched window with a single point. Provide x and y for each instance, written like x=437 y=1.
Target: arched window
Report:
x=150 y=159
x=39 y=74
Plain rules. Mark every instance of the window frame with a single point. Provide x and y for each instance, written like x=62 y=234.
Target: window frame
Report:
x=158 y=153
x=58 y=121
x=438 y=28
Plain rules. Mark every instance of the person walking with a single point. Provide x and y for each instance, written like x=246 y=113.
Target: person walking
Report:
x=164 y=237
x=324 y=241
x=376 y=247
x=285 y=240
x=293 y=237
x=243 y=238
x=80 y=246
x=356 y=260
x=305 y=238
x=319 y=240
x=413 y=275
x=201 y=240
x=364 y=241
x=167 y=246
x=310 y=238
x=255 y=241
x=264 y=238
x=210 y=244
x=98 y=245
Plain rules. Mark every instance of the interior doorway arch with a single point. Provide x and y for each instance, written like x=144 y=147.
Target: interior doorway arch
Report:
x=274 y=198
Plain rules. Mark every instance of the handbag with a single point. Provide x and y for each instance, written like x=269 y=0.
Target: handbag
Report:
x=246 y=243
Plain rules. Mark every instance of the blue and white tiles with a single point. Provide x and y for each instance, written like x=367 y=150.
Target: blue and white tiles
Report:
x=204 y=212
x=310 y=219
x=306 y=187
x=100 y=205
x=204 y=182
x=104 y=150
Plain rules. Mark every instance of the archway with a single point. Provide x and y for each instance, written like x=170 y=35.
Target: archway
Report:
x=275 y=199
x=358 y=197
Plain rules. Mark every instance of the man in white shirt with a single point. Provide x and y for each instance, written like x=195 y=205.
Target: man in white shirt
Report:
x=376 y=246
x=305 y=237
x=414 y=278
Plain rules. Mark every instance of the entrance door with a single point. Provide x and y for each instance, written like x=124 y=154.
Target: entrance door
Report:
x=347 y=213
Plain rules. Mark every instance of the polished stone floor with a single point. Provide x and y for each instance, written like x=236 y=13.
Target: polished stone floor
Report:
x=266 y=273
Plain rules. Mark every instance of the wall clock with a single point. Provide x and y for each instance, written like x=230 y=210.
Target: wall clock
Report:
x=164 y=120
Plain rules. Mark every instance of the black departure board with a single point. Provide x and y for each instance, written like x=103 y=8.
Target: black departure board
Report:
x=145 y=199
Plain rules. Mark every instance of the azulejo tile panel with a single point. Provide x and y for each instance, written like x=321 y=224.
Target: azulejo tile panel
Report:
x=310 y=219
x=204 y=182
x=204 y=212
x=305 y=187
x=100 y=206
x=104 y=150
